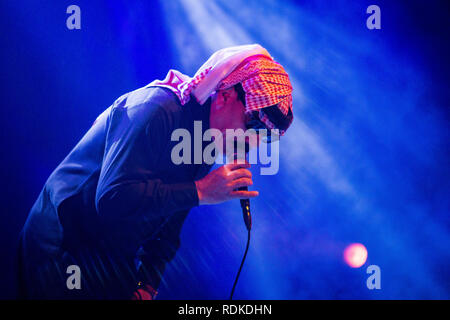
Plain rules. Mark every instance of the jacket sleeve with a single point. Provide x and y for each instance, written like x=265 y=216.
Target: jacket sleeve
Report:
x=131 y=199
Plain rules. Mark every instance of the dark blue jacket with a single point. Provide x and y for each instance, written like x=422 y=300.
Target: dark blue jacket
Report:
x=116 y=197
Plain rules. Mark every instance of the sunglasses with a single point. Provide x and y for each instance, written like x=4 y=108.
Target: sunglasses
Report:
x=252 y=121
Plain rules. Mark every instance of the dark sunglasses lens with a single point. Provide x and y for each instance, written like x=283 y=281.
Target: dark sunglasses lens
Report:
x=254 y=122
x=256 y=125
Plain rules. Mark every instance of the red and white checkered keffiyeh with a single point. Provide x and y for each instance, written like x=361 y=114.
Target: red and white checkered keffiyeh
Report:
x=264 y=81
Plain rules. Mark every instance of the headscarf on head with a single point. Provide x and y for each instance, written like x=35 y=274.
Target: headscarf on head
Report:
x=265 y=82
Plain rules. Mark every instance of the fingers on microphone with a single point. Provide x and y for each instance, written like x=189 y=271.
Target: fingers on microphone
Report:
x=235 y=166
x=239 y=194
x=242 y=182
x=240 y=173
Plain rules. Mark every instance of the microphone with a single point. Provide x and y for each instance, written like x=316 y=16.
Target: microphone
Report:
x=245 y=203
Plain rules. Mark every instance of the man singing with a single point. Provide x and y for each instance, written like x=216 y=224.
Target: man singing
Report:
x=113 y=209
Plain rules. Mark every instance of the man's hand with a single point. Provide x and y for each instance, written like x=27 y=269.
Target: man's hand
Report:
x=220 y=184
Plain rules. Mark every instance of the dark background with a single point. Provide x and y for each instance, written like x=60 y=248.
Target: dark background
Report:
x=365 y=161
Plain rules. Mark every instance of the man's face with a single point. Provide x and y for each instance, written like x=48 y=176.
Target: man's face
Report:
x=228 y=112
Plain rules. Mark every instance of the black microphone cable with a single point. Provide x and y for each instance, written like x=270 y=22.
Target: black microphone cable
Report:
x=245 y=205
x=242 y=264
